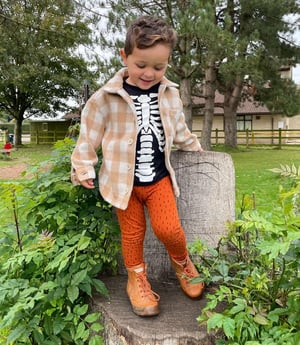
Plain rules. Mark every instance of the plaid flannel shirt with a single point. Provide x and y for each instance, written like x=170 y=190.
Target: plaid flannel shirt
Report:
x=109 y=121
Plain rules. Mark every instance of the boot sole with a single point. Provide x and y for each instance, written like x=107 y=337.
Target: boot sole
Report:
x=194 y=296
x=149 y=311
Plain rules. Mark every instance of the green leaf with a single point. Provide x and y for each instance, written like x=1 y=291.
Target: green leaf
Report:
x=86 y=287
x=220 y=321
x=50 y=285
x=97 y=327
x=260 y=319
x=16 y=333
x=58 y=325
x=79 y=277
x=223 y=268
x=63 y=264
x=48 y=325
x=92 y=317
x=81 y=310
x=60 y=260
x=100 y=287
x=80 y=331
x=38 y=336
x=216 y=321
x=273 y=248
x=96 y=340
x=228 y=327
x=83 y=243
x=240 y=305
x=73 y=293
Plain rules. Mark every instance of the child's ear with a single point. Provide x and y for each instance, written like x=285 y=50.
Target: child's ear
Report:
x=123 y=56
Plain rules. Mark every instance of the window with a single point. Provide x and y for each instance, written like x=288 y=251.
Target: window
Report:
x=244 y=122
x=45 y=126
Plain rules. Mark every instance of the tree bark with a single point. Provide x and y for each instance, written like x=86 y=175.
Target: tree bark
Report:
x=186 y=98
x=209 y=95
x=231 y=101
x=18 y=131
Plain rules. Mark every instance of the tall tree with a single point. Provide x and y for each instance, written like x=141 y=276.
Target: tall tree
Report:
x=259 y=47
x=213 y=49
x=248 y=55
x=219 y=43
x=40 y=65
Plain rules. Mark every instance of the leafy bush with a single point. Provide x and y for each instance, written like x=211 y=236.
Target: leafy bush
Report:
x=255 y=275
x=52 y=250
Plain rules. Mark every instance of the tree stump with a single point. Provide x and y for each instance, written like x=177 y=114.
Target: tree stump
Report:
x=176 y=323
x=206 y=203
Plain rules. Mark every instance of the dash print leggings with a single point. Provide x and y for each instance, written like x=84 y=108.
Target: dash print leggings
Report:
x=160 y=202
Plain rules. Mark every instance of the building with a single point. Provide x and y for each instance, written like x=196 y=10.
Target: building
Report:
x=48 y=131
x=252 y=117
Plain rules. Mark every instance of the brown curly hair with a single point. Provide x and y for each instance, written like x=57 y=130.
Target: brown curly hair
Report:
x=147 y=31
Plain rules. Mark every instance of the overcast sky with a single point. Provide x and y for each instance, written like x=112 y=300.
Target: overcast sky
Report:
x=296 y=74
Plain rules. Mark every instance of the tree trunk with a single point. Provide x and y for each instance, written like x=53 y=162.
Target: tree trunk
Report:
x=230 y=126
x=209 y=95
x=231 y=101
x=185 y=94
x=18 y=131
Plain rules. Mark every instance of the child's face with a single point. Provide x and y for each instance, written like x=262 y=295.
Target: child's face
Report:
x=146 y=67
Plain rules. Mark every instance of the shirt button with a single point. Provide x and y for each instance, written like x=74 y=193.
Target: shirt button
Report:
x=128 y=167
x=130 y=141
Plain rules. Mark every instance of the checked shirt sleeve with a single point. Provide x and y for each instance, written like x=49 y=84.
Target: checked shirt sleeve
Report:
x=84 y=156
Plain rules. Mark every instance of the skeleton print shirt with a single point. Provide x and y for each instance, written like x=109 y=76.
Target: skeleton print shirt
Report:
x=150 y=158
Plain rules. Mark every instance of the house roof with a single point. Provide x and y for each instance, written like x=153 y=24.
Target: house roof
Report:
x=246 y=107
x=71 y=116
x=47 y=120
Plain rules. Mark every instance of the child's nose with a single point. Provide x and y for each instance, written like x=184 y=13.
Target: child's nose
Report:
x=148 y=73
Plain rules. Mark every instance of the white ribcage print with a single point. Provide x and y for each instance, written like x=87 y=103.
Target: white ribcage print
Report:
x=149 y=125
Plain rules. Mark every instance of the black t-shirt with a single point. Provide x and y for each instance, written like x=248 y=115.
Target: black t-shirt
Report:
x=150 y=148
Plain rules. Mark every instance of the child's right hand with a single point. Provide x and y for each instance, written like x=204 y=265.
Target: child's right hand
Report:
x=89 y=184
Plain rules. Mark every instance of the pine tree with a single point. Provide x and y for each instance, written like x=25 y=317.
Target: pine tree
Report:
x=219 y=44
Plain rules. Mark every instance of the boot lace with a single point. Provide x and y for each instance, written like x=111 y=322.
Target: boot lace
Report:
x=145 y=288
x=188 y=271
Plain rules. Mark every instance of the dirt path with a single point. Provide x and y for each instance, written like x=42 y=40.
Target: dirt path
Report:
x=12 y=171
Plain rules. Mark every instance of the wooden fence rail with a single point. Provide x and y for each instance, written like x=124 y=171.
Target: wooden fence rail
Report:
x=277 y=137
x=46 y=137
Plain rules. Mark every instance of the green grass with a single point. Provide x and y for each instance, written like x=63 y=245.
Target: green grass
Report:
x=253 y=175
x=252 y=168
x=28 y=154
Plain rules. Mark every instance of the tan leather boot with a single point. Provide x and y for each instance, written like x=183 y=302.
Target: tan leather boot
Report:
x=143 y=300
x=185 y=272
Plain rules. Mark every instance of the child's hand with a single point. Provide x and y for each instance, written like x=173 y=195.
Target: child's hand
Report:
x=89 y=184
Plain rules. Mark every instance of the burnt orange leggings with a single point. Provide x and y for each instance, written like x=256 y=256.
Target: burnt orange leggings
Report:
x=160 y=202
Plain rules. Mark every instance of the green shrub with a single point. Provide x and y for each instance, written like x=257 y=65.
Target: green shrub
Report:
x=52 y=249
x=255 y=276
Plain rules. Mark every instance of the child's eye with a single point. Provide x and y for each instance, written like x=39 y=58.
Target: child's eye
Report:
x=157 y=68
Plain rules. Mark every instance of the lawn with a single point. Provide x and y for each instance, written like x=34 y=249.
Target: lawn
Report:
x=28 y=154
x=252 y=168
x=253 y=175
